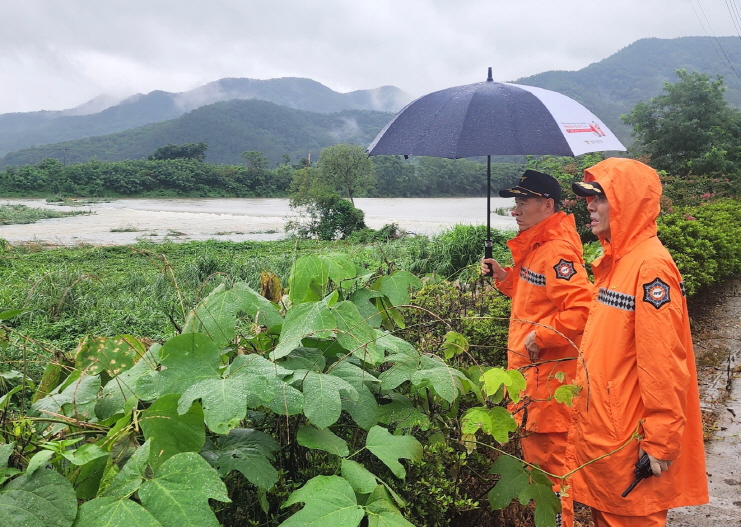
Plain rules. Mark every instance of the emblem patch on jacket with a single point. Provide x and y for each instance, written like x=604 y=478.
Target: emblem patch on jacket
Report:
x=656 y=293
x=564 y=269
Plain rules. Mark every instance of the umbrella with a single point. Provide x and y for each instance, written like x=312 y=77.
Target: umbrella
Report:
x=493 y=118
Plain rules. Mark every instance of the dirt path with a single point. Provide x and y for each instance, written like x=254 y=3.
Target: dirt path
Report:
x=717 y=336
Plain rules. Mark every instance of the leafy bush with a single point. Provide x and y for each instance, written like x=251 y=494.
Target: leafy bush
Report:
x=705 y=242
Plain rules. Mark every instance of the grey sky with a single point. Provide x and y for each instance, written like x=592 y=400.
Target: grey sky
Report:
x=56 y=55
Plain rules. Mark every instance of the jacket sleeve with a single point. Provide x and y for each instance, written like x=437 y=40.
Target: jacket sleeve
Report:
x=507 y=285
x=661 y=358
x=570 y=290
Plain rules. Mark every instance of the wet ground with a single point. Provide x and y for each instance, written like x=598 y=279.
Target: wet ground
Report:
x=717 y=336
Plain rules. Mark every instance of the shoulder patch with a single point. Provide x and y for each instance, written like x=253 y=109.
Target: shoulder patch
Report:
x=564 y=269
x=656 y=293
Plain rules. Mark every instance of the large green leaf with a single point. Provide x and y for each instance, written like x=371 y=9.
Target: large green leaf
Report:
x=383 y=513
x=308 y=319
x=311 y=437
x=329 y=500
x=42 y=499
x=112 y=512
x=216 y=315
x=111 y=354
x=188 y=358
x=170 y=431
x=390 y=448
x=280 y=397
x=121 y=388
x=309 y=276
x=397 y=411
x=224 y=400
x=322 y=402
x=497 y=422
x=77 y=400
x=514 y=478
x=364 y=410
x=403 y=369
x=178 y=494
x=434 y=372
x=6 y=472
x=355 y=334
x=254 y=305
x=339 y=268
x=363 y=299
x=131 y=476
x=175 y=495
x=396 y=286
x=526 y=485
x=246 y=450
x=360 y=478
x=540 y=491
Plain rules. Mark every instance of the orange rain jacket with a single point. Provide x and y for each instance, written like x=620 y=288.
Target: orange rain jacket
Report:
x=639 y=367
x=549 y=286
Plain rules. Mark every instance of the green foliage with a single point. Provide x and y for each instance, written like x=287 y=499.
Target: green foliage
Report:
x=704 y=242
x=19 y=214
x=347 y=169
x=196 y=151
x=187 y=403
x=690 y=129
x=517 y=481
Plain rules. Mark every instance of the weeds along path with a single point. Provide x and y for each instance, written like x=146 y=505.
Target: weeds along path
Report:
x=717 y=336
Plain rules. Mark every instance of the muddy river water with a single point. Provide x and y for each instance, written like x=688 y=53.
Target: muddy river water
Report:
x=124 y=221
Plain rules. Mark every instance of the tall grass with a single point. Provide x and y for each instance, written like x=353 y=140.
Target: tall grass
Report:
x=21 y=214
x=147 y=289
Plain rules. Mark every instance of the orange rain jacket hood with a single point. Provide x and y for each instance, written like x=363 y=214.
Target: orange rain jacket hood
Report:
x=639 y=371
x=550 y=291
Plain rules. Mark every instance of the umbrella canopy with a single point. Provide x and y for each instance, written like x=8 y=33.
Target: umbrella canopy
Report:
x=493 y=118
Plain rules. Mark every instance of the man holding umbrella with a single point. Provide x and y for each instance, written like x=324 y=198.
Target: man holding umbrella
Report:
x=640 y=397
x=550 y=295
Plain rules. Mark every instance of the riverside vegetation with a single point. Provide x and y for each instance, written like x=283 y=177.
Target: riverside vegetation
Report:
x=289 y=383
x=129 y=372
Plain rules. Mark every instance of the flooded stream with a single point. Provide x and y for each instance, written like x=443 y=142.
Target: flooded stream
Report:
x=123 y=221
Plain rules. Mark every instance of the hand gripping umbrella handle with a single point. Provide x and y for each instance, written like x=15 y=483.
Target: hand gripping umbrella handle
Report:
x=488 y=254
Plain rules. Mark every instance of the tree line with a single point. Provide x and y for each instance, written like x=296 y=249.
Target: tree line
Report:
x=179 y=171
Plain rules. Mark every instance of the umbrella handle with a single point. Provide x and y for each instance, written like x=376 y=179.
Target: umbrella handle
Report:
x=488 y=254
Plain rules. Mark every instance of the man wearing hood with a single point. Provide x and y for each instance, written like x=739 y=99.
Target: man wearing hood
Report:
x=639 y=384
x=550 y=295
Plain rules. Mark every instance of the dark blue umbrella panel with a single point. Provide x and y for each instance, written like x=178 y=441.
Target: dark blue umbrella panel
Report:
x=493 y=118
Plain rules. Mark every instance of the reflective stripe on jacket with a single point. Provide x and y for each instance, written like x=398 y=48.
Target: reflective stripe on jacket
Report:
x=549 y=287
x=639 y=368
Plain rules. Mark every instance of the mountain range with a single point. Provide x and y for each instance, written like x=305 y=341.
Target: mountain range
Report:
x=294 y=116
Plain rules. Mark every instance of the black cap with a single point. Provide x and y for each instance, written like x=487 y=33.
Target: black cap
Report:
x=534 y=185
x=587 y=188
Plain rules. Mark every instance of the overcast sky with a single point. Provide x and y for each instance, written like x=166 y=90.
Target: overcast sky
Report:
x=58 y=54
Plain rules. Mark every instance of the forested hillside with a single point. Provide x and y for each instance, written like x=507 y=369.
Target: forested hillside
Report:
x=22 y=130
x=229 y=128
x=613 y=86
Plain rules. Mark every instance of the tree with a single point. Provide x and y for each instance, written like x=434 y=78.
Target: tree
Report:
x=347 y=169
x=321 y=212
x=196 y=151
x=690 y=129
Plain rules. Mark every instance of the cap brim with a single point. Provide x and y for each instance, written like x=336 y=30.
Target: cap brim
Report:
x=518 y=192
x=585 y=188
